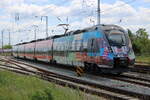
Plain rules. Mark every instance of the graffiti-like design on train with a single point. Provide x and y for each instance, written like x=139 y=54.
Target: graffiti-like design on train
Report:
x=103 y=47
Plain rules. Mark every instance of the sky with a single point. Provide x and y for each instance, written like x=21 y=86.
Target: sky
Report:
x=19 y=17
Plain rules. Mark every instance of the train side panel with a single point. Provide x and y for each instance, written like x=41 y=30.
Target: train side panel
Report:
x=15 y=50
x=65 y=48
x=60 y=50
x=29 y=50
x=97 y=47
x=43 y=50
x=93 y=49
x=21 y=51
x=77 y=49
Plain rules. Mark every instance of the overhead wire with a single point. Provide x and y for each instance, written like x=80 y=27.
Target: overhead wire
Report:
x=129 y=2
x=89 y=13
x=107 y=10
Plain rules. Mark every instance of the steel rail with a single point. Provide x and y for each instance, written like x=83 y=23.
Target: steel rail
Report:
x=135 y=80
x=87 y=89
x=89 y=83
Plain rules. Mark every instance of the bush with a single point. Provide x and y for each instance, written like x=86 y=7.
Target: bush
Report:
x=42 y=95
x=140 y=41
x=7 y=47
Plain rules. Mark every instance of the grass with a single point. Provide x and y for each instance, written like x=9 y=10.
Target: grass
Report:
x=5 y=54
x=15 y=86
x=143 y=59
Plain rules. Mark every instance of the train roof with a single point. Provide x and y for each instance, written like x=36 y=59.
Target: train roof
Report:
x=102 y=27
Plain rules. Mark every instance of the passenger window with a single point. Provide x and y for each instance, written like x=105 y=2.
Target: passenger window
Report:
x=96 y=45
x=90 y=45
x=93 y=45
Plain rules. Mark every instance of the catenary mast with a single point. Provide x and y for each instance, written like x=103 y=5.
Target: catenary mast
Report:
x=98 y=12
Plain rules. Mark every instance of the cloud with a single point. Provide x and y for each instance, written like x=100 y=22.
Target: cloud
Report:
x=26 y=9
x=81 y=14
x=6 y=3
x=146 y=0
x=34 y=1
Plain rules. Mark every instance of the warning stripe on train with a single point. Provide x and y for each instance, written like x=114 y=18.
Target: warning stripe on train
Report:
x=79 y=71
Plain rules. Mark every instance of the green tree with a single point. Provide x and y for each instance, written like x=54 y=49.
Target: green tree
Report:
x=141 y=33
x=133 y=41
x=131 y=35
x=142 y=41
x=7 y=47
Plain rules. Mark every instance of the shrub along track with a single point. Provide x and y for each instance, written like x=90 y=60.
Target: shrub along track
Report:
x=86 y=86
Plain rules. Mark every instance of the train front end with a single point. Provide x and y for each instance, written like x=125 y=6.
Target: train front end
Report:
x=119 y=47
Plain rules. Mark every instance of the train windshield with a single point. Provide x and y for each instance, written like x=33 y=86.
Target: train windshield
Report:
x=116 y=38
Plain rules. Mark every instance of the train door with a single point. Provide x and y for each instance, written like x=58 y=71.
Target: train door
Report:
x=93 y=49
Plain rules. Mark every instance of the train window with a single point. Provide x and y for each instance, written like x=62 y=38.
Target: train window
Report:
x=93 y=45
x=127 y=38
x=84 y=46
x=56 y=48
x=96 y=45
x=75 y=45
x=70 y=46
x=116 y=38
x=78 y=45
x=90 y=45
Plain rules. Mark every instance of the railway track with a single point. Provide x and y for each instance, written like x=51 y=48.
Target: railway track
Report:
x=53 y=77
x=141 y=69
x=86 y=86
x=137 y=76
x=130 y=79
